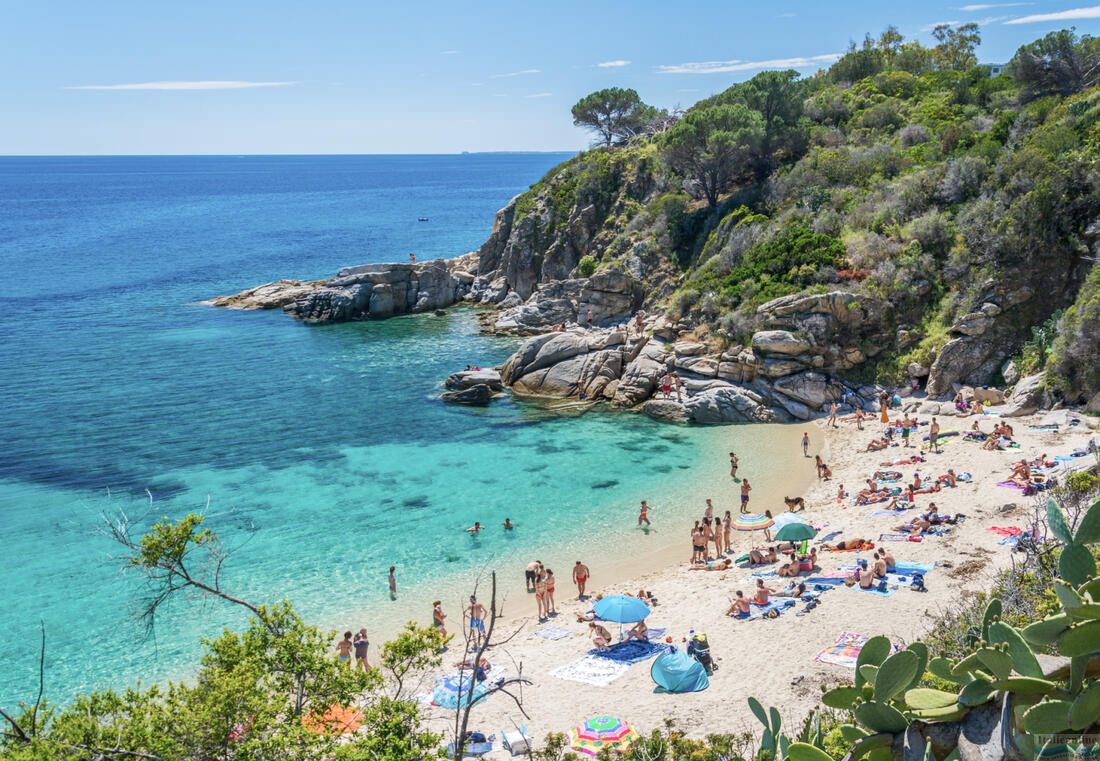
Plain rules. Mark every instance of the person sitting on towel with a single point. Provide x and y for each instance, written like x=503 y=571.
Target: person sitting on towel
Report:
x=866 y=576
x=788 y=569
x=879 y=568
x=601 y=637
x=640 y=632
x=739 y=607
x=806 y=563
x=756 y=557
x=760 y=597
x=891 y=563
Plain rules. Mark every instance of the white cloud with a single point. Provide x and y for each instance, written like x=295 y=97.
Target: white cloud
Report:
x=206 y=85
x=448 y=52
x=515 y=73
x=1073 y=14
x=719 y=67
x=987 y=6
x=934 y=24
x=991 y=20
x=539 y=95
x=613 y=64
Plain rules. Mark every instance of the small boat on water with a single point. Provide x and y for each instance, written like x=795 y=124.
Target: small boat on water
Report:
x=421 y=219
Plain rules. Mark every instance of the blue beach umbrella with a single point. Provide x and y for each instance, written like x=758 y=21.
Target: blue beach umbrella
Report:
x=452 y=691
x=783 y=519
x=622 y=609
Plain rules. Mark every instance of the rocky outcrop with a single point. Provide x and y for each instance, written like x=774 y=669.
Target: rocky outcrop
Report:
x=728 y=404
x=832 y=332
x=477 y=394
x=269 y=295
x=469 y=378
x=612 y=297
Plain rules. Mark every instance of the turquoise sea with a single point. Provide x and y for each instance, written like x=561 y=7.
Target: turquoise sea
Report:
x=323 y=451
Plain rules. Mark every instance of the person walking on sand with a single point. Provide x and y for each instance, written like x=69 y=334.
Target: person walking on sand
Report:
x=580 y=578
x=438 y=617
x=859 y=419
x=476 y=612
x=733 y=466
x=832 y=415
x=727 y=526
x=698 y=545
x=745 y=489
x=361 y=644
x=343 y=649
x=805 y=443
x=393 y=583
x=933 y=436
x=642 y=517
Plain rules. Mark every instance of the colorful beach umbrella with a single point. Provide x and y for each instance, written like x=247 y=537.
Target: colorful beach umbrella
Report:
x=602 y=733
x=453 y=691
x=622 y=609
x=795 y=532
x=752 y=522
x=335 y=720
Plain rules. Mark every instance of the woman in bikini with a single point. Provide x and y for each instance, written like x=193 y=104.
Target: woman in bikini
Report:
x=727 y=526
x=540 y=594
x=549 y=599
x=343 y=648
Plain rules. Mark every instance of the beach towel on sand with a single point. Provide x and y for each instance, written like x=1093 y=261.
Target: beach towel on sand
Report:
x=630 y=652
x=886 y=513
x=552 y=632
x=893 y=537
x=1005 y=530
x=598 y=672
x=762 y=611
x=846 y=650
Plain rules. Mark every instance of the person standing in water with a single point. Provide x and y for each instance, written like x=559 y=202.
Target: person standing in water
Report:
x=733 y=466
x=745 y=489
x=580 y=578
x=642 y=517
x=393 y=583
x=361 y=644
x=709 y=512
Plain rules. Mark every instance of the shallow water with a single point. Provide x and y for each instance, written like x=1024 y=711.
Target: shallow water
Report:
x=324 y=452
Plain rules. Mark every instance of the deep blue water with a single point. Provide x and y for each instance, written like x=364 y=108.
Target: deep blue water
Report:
x=323 y=451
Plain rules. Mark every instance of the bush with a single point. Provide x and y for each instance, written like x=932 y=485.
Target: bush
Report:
x=587 y=266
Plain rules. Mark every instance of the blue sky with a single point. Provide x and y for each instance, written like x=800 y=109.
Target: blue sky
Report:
x=428 y=77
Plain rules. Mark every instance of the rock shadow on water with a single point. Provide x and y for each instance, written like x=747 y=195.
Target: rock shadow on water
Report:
x=536 y=468
x=662 y=468
x=605 y=484
x=417 y=502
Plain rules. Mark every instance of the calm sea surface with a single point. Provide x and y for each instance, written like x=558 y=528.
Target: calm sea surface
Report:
x=323 y=452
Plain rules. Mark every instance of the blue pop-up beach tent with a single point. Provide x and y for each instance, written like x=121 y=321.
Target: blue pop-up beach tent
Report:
x=676 y=671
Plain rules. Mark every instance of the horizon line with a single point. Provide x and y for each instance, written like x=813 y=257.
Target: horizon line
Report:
x=257 y=155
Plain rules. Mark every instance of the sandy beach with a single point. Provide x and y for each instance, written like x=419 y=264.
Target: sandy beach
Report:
x=771 y=659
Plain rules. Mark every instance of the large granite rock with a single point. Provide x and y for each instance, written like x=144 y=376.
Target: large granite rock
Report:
x=269 y=295
x=665 y=410
x=641 y=375
x=467 y=378
x=542 y=352
x=959 y=359
x=779 y=342
x=478 y=394
x=1027 y=396
x=612 y=297
x=727 y=403
x=809 y=389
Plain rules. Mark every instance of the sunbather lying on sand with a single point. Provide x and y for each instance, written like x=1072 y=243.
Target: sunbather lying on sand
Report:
x=877 y=444
x=469 y=664
x=907 y=461
x=639 y=632
x=711 y=565
x=866 y=498
x=916 y=526
x=794 y=590
x=601 y=637
x=756 y=557
x=849 y=544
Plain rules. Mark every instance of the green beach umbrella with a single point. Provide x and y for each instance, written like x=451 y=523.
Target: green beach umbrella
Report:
x=795 y=532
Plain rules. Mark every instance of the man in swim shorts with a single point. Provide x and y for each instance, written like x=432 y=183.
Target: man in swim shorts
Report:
x=733 y=466
x=933 y=435
x=477 y=620
x=580 y=578
x=739 y=607
x=531 y=574
x=745 y=489
x=905 y=431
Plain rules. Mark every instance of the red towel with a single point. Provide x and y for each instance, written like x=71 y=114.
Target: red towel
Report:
x=1005 y=530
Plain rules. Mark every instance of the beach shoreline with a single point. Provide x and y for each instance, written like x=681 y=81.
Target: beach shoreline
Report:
x=772 y=660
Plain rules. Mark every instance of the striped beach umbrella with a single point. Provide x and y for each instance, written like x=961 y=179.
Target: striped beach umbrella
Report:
x=602 y=733
x=453 y=691
x=752 y=522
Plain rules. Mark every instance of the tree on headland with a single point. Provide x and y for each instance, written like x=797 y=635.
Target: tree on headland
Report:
x=614 y=114
x=713 y=145
x=1058 y=64
x=956 y=46
x=778 y=97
